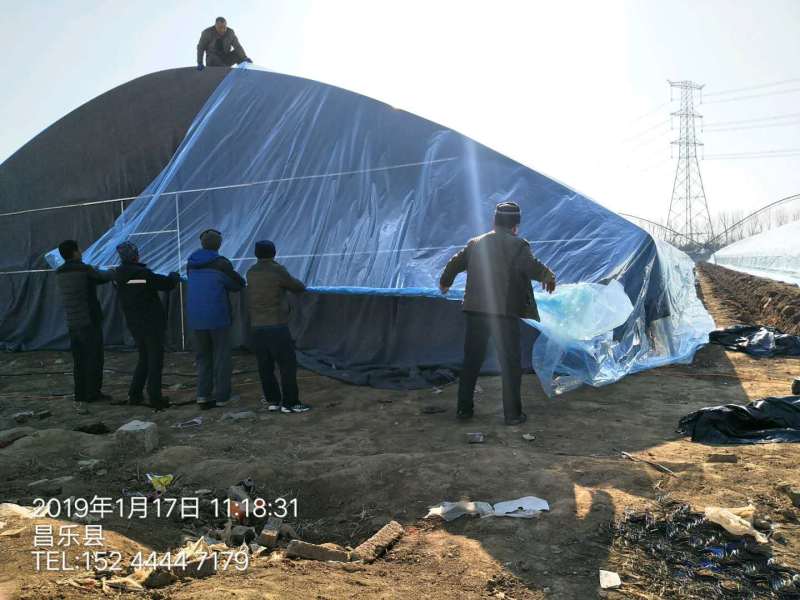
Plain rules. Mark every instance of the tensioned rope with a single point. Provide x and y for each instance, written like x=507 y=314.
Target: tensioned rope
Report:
x=234 y=186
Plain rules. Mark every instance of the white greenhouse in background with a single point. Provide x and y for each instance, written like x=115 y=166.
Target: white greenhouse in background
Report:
x=774 y=254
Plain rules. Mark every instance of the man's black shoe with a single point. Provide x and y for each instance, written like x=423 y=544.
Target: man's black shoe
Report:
x=518 y=421
x=160 y=404
x=464 y=416
x=135 y=400
x=104 y=397
x=206 y=405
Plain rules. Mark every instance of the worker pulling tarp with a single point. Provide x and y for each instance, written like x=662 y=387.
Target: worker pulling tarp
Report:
x=367 y=203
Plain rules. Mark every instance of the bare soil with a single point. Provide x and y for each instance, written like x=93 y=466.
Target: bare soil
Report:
x=756 y=300
x=365 y=456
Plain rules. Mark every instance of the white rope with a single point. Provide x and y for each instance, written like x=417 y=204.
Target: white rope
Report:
x=234 y=186
x=335 y=254
x=370 y=252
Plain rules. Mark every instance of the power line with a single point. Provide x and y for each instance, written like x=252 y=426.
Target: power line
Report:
x=753 y=87
x=754 y=157
x=782 y=153
x=757 y=120
x=650 y=112
x=791 y=91
x=658 y=125
x=762 y=126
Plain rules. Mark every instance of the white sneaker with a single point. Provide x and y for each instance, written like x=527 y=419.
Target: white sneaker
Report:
x=268 y=406
x=297 y=408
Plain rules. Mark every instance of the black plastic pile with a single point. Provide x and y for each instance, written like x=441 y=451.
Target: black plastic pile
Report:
x=757 y=340
x=677 y=553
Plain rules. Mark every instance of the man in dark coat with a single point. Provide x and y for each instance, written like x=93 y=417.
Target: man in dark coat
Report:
x=500 y=267
x=220 y=46
x=211 y=277
x=267 y=285
x=77 y=283
x=138 y=289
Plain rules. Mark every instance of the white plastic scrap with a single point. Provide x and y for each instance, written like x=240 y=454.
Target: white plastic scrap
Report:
x=527 y=507
x=730 y=519
x=450 y=511
x=609 y=580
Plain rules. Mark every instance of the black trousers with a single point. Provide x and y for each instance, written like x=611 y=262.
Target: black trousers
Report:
x=506 y=335
x=274 y=345
x=150 y=345
x=86 y=345
x=227 y=59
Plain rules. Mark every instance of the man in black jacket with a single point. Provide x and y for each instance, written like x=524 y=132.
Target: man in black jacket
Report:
x=500 y=267
x=138 y=290
x=77 y=283
x=220 y=46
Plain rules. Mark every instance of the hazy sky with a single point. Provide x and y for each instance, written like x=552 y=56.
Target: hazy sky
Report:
x=560 y=86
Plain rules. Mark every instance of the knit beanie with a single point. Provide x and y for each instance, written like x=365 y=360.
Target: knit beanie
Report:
x=211 y=239
x=265 y=249
x=128 y=252
x=507 y=214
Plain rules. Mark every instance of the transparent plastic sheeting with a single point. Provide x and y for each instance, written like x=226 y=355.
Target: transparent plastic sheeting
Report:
x=362 y=198
x=773 y=254
x=578 y=346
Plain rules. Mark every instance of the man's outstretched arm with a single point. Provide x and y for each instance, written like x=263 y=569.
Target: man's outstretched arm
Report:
x=238 y=47
x=457 y=264
x=535 y=269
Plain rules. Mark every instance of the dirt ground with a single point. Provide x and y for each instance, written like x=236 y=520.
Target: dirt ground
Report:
x=754 y=299
x=363 y=457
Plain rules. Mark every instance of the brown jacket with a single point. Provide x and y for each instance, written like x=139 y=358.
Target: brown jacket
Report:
x=500 y=267
x=267 y=284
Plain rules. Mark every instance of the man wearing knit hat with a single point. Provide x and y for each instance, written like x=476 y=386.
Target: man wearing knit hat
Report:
x=500 y=267
x=138 y=289
x=211 y=276
x=267 y=285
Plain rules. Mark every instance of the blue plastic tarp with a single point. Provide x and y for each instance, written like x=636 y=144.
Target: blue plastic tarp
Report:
x=362 y=198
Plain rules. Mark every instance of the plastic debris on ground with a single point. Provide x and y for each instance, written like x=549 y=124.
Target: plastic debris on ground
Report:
x=160 y=483
x=757 y=340
x=195 y=422
x=476 y=437
x=682 y=554
x=738 y=522
x=526 y=507
x=764 y=421
x=609 y=580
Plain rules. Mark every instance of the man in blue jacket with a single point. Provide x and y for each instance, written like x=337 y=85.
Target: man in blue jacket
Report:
x=211 y=276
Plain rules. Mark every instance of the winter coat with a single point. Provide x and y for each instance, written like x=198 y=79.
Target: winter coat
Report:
x=211 y=277
x=267 y=285
x=138 y=289
x=500 y=267
x=77 y=283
